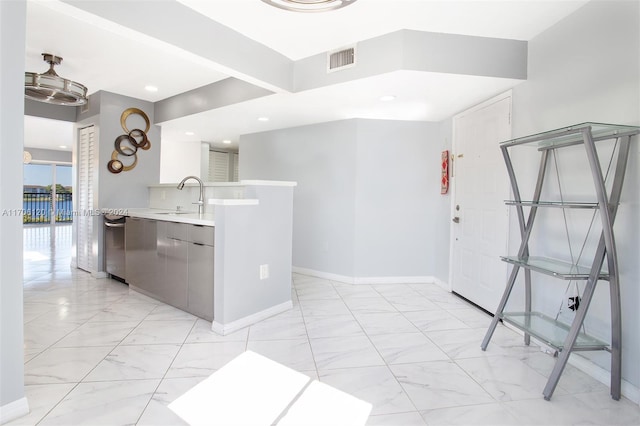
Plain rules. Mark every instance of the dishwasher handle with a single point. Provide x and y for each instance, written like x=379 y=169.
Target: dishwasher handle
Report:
x=114 y=225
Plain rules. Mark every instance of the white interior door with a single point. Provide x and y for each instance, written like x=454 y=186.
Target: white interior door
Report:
x=480 y=222
x=218 y=166
x=84 y=198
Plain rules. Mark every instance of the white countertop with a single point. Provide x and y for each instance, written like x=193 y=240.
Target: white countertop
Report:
x=241 y=183
x=206 y=219
x=234 y=201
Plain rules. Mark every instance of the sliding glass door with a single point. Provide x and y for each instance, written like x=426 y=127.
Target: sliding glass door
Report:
x=47 y=194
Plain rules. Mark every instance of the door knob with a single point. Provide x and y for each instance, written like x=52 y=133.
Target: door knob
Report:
x=456 y=219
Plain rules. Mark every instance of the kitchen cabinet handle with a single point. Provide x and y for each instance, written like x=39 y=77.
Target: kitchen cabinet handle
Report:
x=114 y=225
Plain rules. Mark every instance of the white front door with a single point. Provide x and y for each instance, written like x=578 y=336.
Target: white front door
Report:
x=480 y=221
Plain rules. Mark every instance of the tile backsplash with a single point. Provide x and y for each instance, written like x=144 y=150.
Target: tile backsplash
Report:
x=170 y=197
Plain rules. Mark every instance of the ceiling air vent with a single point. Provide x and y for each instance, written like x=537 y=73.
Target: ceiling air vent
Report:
x=341 y=59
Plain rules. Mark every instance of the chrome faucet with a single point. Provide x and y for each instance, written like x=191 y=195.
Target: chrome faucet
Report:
x=200 y=202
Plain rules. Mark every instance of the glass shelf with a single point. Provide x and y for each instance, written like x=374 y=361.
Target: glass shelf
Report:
x=553 y=267
x=558 y=204
x=551 y=331
x=572 y=135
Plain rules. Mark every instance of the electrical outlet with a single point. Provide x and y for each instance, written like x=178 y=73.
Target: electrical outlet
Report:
x=264 y=272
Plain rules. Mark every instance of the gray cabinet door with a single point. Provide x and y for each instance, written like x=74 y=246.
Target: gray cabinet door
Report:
x=201 y=280
x=141 y=252
x=161 y=263
x=132 y=247
x=175 y=281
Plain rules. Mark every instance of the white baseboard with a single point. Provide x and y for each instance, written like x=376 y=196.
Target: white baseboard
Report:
x=592 y=369
x=99 y=275
x=363 y=280
x=236 y=325
x=325 y=275
x=442 y=284
x=394 y=280
x=602 y=375
x=13 y=410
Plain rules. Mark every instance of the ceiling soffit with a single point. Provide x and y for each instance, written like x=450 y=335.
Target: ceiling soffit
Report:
x=420 y=51
x=398 y=51
x=235 y=54
x=215 y=95
x=258 y=71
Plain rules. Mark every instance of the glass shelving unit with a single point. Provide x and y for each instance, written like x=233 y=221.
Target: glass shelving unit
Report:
x=558 y=204
x=551 y=331
x=554 y=267
x=565 y=338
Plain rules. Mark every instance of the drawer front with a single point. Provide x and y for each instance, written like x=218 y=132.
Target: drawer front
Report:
x=177 y=231
x=201 y=234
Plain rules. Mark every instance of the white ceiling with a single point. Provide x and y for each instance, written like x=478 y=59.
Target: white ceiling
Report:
x=419 y=96
x=106 y=56
x=299 y=35
x=45 y=133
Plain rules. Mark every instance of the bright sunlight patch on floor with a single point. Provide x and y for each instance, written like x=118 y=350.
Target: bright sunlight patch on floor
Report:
x=322 y=405
x=255 y=390
x=33 y=256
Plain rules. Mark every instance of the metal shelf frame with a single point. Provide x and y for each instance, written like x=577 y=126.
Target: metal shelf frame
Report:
x=586 y=134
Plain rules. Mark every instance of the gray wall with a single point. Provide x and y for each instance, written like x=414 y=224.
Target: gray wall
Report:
x=322 y=160
x=54 y=112
x=367 y=201
x=126 y=189
x=12 y=46
x=397 y=193
x=246 y=237
x=441 y=233
x=587 y=68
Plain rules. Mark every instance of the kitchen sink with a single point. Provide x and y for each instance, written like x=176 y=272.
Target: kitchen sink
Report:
x=175 y=213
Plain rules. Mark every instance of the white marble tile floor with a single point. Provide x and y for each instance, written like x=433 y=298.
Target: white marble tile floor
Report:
x=99 y=353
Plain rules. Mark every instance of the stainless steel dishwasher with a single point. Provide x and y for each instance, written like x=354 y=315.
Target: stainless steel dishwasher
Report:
x=114 y=246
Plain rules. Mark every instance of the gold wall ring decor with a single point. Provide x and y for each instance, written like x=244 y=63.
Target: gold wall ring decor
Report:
x=123 y=149
x=115 y=166
x=135 y=138
x=127 y=112
x=118 y=165
x=144 y=140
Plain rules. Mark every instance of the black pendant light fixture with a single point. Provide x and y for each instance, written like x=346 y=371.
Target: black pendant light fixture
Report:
x=50 y=88
x=309 y=5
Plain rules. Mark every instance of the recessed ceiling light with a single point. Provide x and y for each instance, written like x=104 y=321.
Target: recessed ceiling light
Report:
x=150 y=88
x=189 y=133
x=226 y=142
x=387 y=98
x=263 y=119
x=62 y=146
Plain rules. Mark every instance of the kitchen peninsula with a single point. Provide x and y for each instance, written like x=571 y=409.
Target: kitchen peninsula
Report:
x=230 y=265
